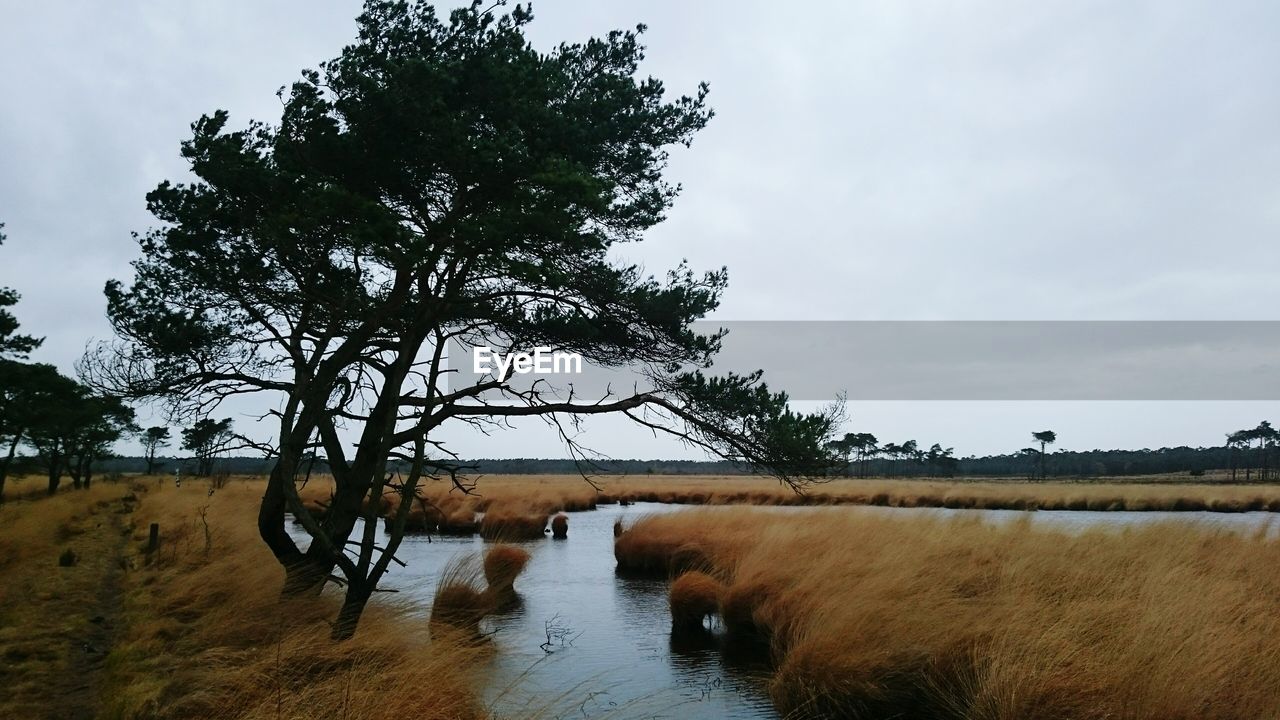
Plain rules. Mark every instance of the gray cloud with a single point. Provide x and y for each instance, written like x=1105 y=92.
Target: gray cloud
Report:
x=870 y=160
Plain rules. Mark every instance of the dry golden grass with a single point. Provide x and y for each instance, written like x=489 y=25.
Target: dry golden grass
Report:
x=460 y=602
x=506 y=524
x=49 y=642
x=694 y=596
x=202 y=632
x=1131 y=494
x=874 y=616
x=548 y=494
x=502 y=565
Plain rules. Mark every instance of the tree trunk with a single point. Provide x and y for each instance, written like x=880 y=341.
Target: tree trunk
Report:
x=298 y=576
x=8 y=460
x=352 y=608
x=55 y=473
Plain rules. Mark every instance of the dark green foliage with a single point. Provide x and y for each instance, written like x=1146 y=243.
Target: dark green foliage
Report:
x=72 y=427
x=1045 y=438
x=11 y=343
x=206 y=440
x=26 y=392
x=153 y=439
x=67 y=424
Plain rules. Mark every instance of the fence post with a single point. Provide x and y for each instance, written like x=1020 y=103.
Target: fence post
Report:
x=153 y=542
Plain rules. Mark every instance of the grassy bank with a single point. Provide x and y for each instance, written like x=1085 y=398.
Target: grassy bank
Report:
x=530 y=499
x=869 y=616
x=201 y=631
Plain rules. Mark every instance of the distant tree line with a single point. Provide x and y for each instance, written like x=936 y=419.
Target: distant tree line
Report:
x=64 y=425
x=1252 y=455
x=1253 y=463
x=59 y=427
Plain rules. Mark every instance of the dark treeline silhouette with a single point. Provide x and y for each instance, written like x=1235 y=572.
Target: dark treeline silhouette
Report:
x=1247 y=463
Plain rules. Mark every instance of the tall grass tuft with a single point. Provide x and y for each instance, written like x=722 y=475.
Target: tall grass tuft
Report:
x=460 y=602
x=502 y=565
x=694 y=597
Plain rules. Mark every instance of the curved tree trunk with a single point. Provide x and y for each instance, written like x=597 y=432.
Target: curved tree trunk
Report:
x=353 y=604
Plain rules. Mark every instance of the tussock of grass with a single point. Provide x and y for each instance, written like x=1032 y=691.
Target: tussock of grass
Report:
x=502 y=565
x=460 y=602
x=694 y=596
x=664 y=553
x=872 y=616
x=560 y=526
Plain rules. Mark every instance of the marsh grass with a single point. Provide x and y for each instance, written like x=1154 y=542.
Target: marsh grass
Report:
x=47 y=608
x=694 y=596
x=502 y=565
x=207 y=635
x=503 y=523
x=548 y=494
x=872 y=616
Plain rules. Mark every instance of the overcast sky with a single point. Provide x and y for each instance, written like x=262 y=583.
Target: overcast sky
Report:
x=869 y=160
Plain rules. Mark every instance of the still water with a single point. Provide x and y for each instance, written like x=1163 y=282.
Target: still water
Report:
x=612 y=654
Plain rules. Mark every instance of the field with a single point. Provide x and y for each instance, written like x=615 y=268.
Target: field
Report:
x=865 y=615
x=544 y=494
x=873 y=617
x=200 y=631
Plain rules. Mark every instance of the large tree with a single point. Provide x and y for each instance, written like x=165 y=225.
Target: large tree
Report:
x=95 y=424
x=440 y=179
x=28 y=391
x=206 y=439
x=1045 y=438
x=154 y=439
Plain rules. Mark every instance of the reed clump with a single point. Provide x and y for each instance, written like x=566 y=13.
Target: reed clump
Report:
x=694 y=597
x=654 y=551
x=560 y=526
x=502 y=565
x=875 y=616
x=460 y=601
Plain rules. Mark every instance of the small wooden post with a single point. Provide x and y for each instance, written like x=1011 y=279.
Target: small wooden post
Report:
x=153 y=542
